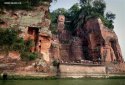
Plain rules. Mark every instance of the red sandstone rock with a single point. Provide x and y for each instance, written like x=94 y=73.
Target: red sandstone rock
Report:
x=93 y=42
x=34 y=25
x=76 y=49
x=102 y=42
x=14 y=55
x=105 y=39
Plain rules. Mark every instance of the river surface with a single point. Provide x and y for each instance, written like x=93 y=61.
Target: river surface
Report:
x=65 y=82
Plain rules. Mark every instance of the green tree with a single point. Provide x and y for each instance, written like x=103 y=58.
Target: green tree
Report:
x=110 y=16
x=79 y=13
x=94 y=8
x=73 y=11
x=99 y=6
x=84 y=3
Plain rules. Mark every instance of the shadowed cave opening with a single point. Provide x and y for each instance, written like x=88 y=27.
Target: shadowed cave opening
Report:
x=86 y=50
x=34 y=33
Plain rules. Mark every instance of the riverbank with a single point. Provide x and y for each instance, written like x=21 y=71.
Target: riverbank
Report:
x=67 y=71
x=47 y=77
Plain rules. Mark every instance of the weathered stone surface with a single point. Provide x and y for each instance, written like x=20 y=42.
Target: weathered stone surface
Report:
x=61 y=25
x=92 y=42
x=44 y=43
x=55 y=49
x=80 y=71
x=87 y=45
x=65 y=53
x=76 y=49
x=33 y=24
x=102 y=42
x=14 y=55
x=1 y=56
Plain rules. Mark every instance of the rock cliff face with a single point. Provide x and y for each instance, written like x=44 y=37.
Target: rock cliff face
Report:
x=34 y=24
x=92 y=42
x=102 y=42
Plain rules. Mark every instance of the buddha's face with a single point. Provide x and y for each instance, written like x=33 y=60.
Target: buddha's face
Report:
x=61 y=18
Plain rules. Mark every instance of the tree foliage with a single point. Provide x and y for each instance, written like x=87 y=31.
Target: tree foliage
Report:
x=69 y=14
x=96 y=8
x=80 y=12
x=73 y=11
x=99 y=6
x=28 y=56
x=54 y=17
x=56 y=13
x=110 y=16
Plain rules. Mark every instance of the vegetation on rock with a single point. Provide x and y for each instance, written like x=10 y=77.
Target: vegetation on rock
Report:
x=10 y=41
x=79 y=13
x=55 y=62
x=28 y=56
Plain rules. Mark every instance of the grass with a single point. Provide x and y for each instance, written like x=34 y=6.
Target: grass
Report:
x=16 y=77
x=19 y=77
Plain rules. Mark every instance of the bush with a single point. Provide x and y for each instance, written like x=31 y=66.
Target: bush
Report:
x=55 y=63
x=10 y=41
x=28 y=56
x=107 y=23
x=32 y=56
